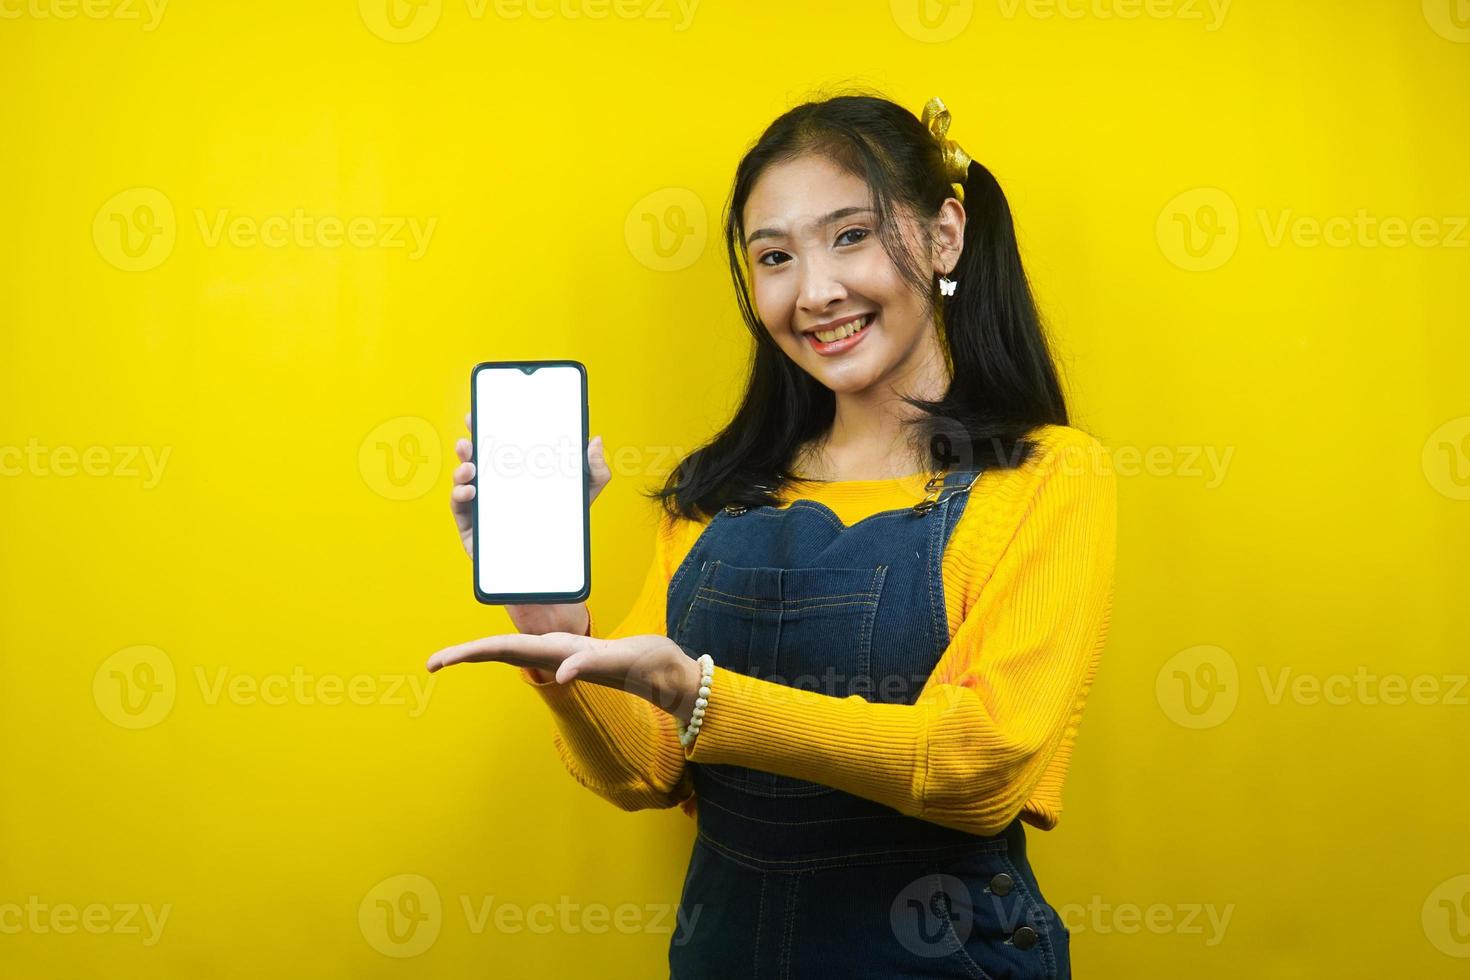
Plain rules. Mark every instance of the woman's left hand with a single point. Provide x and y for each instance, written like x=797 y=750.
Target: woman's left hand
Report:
x=650 y=666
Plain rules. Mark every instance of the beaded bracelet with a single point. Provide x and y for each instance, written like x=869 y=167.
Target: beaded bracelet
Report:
x=706 y=674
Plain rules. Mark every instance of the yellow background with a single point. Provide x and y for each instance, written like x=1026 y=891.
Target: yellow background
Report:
x=1165 y=162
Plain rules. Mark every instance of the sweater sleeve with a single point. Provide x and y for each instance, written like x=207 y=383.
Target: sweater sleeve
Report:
x=996 y=719
x=615 y=743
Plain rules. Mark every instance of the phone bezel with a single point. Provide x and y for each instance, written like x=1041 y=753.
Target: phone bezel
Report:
x=538 y=598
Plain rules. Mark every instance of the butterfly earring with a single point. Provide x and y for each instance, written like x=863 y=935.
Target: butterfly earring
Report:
x=946 y=286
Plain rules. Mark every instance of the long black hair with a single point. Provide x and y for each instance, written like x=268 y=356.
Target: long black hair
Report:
x=1003 y=383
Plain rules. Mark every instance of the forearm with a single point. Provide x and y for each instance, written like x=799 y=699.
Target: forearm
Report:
x=617 y=744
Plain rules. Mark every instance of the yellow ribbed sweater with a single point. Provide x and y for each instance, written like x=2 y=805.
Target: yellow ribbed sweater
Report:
x=1028 y=585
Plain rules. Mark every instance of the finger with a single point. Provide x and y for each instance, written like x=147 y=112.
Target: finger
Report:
x=464 y=472
x=462 y=493
x=601 y=474
x=547 y=650
x=467 y=420
x=572 y=666
x=463 y=449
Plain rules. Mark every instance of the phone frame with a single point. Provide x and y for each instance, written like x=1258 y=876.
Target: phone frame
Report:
x=537 y=598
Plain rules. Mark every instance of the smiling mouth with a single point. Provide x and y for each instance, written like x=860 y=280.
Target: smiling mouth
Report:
x=846 y=330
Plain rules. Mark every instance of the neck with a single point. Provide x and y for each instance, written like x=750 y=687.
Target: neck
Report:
x=870 y=438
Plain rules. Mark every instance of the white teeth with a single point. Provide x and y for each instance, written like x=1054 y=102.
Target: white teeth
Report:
x=846 y=330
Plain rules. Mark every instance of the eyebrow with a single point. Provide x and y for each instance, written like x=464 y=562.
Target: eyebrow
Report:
x=825 y=219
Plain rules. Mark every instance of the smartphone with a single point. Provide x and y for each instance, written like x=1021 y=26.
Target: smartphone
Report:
x=532 y=527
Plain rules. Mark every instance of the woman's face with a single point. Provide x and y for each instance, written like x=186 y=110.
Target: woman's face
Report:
x=816 y=264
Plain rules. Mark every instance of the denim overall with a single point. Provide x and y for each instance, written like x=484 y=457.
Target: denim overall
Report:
x=793 y=879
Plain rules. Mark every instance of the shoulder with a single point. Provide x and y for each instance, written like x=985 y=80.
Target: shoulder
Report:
x=1058 y=441
x=1068 y=468
x=674 y=540
x=1060 y=453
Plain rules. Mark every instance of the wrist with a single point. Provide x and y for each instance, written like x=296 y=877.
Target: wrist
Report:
x=688 y=727
x=685 y=686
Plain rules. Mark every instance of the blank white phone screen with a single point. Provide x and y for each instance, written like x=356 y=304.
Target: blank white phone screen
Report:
x=530 y=504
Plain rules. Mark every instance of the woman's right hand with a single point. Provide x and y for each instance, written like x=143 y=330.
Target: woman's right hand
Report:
x=537 y=619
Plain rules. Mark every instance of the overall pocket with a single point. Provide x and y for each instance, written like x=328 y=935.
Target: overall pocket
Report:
x=809 y=628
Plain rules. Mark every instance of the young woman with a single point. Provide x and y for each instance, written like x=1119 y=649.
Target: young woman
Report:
x=878 y=598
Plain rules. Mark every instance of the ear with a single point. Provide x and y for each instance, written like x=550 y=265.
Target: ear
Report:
x=949 y=236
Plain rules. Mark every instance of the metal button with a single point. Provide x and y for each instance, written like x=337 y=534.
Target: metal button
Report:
x=1024 y=937
x=1002 y=884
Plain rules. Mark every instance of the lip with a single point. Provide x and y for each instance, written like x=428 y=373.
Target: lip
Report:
x=846 y=343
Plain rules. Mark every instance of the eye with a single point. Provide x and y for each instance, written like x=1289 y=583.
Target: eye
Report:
x=863 y=232
x=767 y=255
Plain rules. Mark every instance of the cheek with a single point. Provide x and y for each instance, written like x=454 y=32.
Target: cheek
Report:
x=773 y=302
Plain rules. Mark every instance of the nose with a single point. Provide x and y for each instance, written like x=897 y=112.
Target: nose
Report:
x=821 y=286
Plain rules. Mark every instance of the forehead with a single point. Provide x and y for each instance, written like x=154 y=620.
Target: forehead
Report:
x=792 y=194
